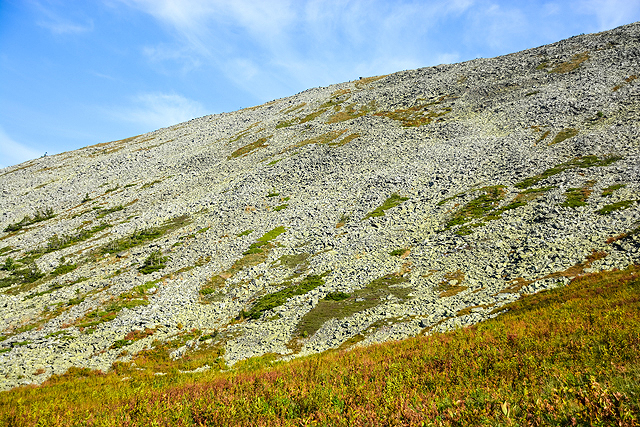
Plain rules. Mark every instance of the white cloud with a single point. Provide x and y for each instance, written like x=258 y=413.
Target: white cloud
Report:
x=157 y=110
x=268 y=47
x=12 y=152
x=609 y=13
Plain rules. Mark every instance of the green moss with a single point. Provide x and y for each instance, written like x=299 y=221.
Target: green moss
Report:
x=564 y=134
x=623 y=204
x=245 y=233
x=279 y=208
x=391 y=202
x=273 y=194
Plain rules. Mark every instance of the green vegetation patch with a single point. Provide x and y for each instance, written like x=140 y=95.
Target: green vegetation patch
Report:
x=351 y=112
x=578 y=196
x=623 y=204
x=391 y=202
x=577 y=163
x=568 y=356
x=280 y=297
x=25 y=275
x=572 y=64
x=154 y=262
x=256 y=254
x=478 y=207
x=418 y=115
x=64 y=241
x=335 y=306
x=564 y=134
x=131 y=337
x=325 y=138
x=134 y=298
x=104 y=212
x=144 y=236
x=245 y=150
x=39 y=216
x=150 y=184
x=607 y=192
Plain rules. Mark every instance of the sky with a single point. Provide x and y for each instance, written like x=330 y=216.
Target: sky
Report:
x=79 y=72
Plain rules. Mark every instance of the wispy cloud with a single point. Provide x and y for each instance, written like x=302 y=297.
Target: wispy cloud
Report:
x=609 y=13
x=13 y=152
x=58 y=24
x=262 y=46
x=156 y=110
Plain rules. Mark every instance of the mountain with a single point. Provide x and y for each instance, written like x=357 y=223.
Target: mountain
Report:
x=362 y=212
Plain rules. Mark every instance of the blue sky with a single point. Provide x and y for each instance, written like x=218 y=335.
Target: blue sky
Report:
x=75 y=73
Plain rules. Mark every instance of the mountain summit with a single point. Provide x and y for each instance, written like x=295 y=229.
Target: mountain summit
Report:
x=362 y=212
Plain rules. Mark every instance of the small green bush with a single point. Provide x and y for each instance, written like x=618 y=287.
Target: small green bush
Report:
x=337 y=296
x=154 y=262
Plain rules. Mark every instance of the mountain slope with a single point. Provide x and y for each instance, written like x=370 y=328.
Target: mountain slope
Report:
x=357 y=213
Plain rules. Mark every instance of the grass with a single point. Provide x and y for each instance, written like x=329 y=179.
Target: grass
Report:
x=134 y=298
x=247 y=149
x=571 y=65
x=372 y=295
x=627 y=80
x=256 y=254
x=623 y=204
x=451 y=284
x=39 y=216
x=154 y=262
x=607 y=192
x=60 y=242
x=391 y=202
x=419 y=114
x=325 y=138
x=477 y=208
x=280 y=297
x=564 y=134
x=104 y=212
x=351 y=112
x=570 y=356
x=143 y=236
x=578 y=196
x=280 y=207
x=577 y=163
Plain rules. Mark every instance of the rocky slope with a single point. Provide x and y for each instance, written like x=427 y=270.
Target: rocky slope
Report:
x=345 y=215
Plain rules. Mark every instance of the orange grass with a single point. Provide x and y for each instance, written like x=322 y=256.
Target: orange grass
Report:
x=563 y=357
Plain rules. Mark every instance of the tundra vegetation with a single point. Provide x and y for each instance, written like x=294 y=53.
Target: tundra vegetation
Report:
x=568 y=356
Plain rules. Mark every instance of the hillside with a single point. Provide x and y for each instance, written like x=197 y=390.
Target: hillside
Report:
x=358 y=213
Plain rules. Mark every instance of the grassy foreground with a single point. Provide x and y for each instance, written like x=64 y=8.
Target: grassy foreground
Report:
x=564 y=357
